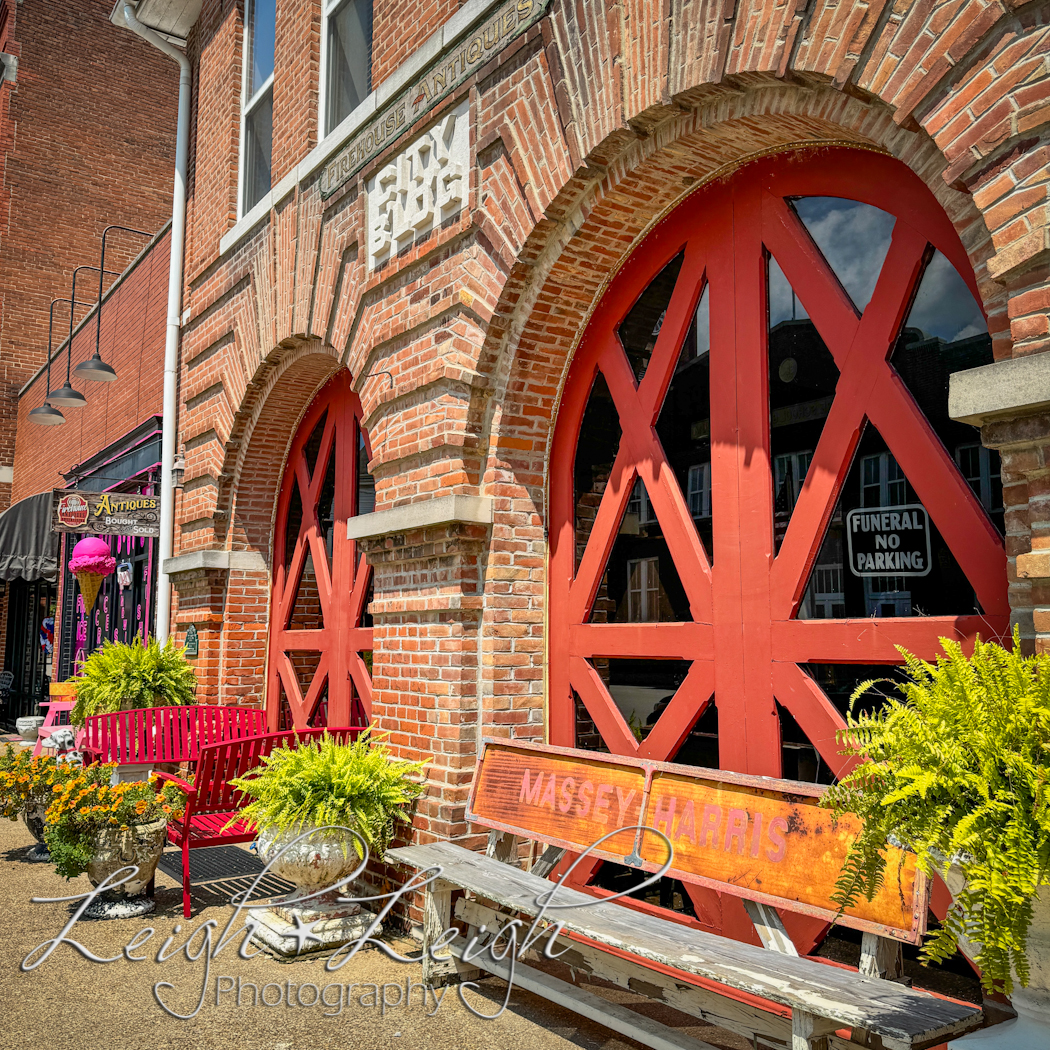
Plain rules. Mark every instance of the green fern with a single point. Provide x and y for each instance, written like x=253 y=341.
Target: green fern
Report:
x=121 y=676
x=959 y=766
x=358 y=785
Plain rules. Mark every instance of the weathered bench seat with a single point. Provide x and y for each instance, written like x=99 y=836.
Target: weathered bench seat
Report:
x=840 y=998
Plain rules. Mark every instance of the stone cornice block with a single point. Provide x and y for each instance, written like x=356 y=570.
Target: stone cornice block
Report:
x=441 y=510
x=1017 y=386
x=215 y=561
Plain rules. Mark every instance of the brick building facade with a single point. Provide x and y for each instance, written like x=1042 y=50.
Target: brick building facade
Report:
x=428 y=284
x=87 y=133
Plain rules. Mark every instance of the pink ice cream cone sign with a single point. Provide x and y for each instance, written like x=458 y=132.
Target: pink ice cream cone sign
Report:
x=91 y=563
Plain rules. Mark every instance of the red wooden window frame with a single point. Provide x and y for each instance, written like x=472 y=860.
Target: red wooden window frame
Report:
x=745 y=643
x=342 y=589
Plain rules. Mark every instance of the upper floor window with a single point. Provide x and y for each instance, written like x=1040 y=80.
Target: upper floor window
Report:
x=347 y=59
x=257 y=102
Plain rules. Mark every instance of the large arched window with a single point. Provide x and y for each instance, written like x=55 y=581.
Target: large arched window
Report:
x=320 y=652
x=756 y=491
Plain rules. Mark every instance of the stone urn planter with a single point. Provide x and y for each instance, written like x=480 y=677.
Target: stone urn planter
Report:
x=310 y=865
x=33 y=815
x=139 y=844
x=28 y=726
x=1030 y=1030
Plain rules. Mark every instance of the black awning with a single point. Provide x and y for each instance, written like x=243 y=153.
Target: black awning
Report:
x=28 y=547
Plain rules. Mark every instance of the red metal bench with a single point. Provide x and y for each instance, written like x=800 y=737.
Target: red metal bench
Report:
x=166 y=734
x=210 y=800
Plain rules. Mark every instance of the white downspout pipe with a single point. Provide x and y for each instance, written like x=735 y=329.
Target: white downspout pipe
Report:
x=171 y=345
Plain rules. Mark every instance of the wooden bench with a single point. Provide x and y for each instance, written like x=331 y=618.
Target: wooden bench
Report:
x=211 y=801
x=147 y=736
x=765 y=841
x=57 y=717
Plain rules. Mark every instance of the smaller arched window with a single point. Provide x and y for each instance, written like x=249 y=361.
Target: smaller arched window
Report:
x=320 y=650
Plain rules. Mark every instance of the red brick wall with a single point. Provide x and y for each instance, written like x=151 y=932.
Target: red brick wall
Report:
x=583 y=132
x=399 y=27
x=134 y=318
x=88 y=136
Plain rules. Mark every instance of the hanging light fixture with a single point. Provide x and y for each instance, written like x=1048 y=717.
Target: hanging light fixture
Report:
x=66 y=396
x=46 y=414
x=94 y=367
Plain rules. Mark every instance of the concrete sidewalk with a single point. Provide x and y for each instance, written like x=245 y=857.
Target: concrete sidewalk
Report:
x=71 y=1002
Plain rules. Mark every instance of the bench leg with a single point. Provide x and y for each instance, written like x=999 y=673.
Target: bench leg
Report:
x=880 y=957
x=437 y=917
x=809 y=1032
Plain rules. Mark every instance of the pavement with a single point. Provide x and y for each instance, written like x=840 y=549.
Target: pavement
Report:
x=69 y=1001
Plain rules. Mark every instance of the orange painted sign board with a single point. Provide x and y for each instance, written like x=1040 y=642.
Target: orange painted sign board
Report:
x=755 y=837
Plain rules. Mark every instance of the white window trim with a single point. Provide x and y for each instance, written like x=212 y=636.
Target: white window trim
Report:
x=247 y=105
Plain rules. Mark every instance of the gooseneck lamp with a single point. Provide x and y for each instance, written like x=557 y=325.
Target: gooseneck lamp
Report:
x=94 y=367
x=46 y=414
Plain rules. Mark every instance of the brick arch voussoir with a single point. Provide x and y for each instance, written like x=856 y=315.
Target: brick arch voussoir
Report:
x=282 y=389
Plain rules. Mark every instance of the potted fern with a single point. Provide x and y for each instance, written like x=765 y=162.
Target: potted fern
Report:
x=121 y=676
x=322 y=786
x=956 y=765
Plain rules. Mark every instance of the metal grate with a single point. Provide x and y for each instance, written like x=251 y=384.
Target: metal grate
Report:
x=218 y=863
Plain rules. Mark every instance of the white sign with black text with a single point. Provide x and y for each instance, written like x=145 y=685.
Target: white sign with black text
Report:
x=889 y=541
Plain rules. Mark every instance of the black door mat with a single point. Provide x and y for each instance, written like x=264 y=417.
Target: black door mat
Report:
x=218 y=863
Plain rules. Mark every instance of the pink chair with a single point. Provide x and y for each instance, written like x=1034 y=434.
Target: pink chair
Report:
x=54 y=719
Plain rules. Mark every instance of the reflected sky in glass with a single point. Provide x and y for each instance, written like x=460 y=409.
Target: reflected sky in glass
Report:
x=264 y=21
x=783 y=304
x=852 y=237
x=943 y=304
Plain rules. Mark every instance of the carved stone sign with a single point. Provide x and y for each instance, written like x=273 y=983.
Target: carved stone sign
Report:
x=420 y=187
x=470 y=51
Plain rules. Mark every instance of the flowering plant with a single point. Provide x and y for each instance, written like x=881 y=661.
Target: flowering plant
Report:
x=82 y=808
x=25 y=779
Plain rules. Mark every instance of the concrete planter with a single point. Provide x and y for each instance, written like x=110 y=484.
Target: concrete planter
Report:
x=1030 y=1030
x=33 y=815
x=141 y=845
x=28 y=726
x=310 y=866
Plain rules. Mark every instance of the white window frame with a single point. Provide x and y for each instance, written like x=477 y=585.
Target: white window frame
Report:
x=649 y=584
x=983 y=492
x=885 y=481
x=248 y=104
x=699 y=491
x=328 y=8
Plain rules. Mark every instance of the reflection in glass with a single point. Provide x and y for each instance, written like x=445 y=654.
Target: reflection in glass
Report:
x=349 y=60
x=258 y=148
x=684 y=425
x=306 y=614
x=640 y=583
x=802 y=381
x=295 y=523
x=854 y=239
x=641 y=689
x=313 y=443
x=326 y=508
x=875 y=479
x=946 y=332
x=596 y=451
x=304 y=662
x=800 y=760
x=263 y=19
x=366 y=484
x=641 y=326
